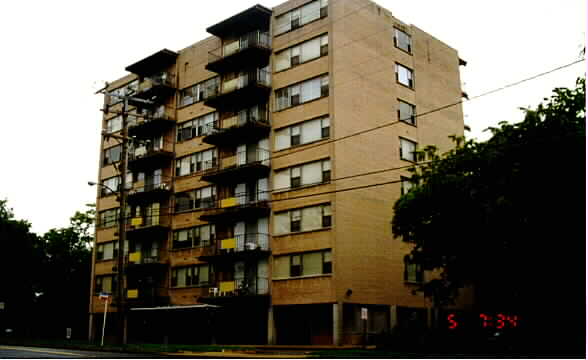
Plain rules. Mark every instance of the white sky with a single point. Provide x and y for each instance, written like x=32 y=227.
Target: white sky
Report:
x=56 y=54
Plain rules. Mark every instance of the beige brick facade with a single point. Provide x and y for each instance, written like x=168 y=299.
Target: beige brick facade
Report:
x=366 y=262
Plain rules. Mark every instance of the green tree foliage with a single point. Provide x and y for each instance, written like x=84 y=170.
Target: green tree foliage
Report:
x=507 y=216
x=20 y=266
x=45 y=280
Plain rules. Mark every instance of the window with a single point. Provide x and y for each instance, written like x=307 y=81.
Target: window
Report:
x=404 y=76
x=402 y=40
x=305 y=219
x=326 y=216
x=302 y=133
x=302 y=92
x=198 y=236
x=295 y=217
x=108 y=218
x=112 y=183
x=196 y=162
x=406 y=112
x=196 y=275
x=326 y=167
x=112 y=155
x=113 y=125
x=306 y=264
x=106 y=251
x=405 y=185
x=196 y=199
x=301 y=53
x=200 y=126
x=407 y=150
x=298 y=17
x=105 y=284
x=412 y=272
x=199 y=92
x=313 y=173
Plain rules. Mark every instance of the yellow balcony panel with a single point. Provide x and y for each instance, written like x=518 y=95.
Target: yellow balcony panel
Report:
x=230 y=85
x=229 y=202
x=229 y=243
x=132 y=294
x=135 y=257
x=227 y=286
x=137 y=221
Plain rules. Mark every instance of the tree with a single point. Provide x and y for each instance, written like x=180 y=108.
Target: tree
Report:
x=20 y=266
x=66 y=276
x=506 y=216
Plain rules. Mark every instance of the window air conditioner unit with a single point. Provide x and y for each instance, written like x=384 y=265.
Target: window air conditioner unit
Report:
x=250 y=246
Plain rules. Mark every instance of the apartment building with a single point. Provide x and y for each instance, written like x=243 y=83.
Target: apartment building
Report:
x=255 y=212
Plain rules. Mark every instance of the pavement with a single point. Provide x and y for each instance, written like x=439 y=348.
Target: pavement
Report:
x=27 y=352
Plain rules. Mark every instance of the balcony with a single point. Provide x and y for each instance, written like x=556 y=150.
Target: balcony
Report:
x=239 y=247
x=156 y=88
x=152 y=124
x=147 y=296
x=251 y=50
x=154 y=224
x=151 y=155
x=243 y=166
x=236 y=128
x=241 y=207
x=247 y=89
x=253 y=289
x=140 y=263
x=150 y=192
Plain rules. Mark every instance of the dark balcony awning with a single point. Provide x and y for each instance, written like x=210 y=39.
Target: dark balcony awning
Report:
x=154 y=63
x=255 y=18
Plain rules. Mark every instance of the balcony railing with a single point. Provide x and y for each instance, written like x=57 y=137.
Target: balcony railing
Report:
x=151 y=123
x=152 y=155
x=156 y=185
x=245 y=90
x=150 y=220
x=139 y=258
x=249 y=50
x=253 y=39
x=240 y=246
x=244 y=165
x=241 y=206
x=240 y=287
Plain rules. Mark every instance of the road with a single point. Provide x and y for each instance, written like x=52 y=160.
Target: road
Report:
x=20 y=352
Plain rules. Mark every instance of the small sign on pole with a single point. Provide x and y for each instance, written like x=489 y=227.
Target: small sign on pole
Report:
x=104 y=297
x=1 y=305
x=68 y=333
x=364 y=317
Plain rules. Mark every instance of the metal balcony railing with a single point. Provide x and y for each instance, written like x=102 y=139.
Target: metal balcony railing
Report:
x=254 y=77
x=241 y=158
x=257 y=39
x=149 y=148
x=155 y=185
x=150 y=218
x=240 y=287
x=243 y=242
x=139 y=258
x=160 y=79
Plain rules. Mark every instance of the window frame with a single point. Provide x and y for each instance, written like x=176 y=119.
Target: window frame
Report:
x=411 y=81
x=412 y=121
x=414 y=159
x=397 y=40
x=322 y=44
x=198 y=91
x=296 y=264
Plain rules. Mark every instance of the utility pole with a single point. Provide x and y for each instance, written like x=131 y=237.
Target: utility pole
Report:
x=122 y=199
x=121 y=228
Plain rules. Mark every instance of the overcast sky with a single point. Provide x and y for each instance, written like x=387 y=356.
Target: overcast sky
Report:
x=56 y=54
